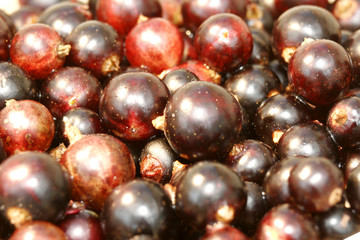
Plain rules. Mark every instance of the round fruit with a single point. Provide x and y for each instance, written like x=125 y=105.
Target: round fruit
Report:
x=309 y=75
x=224 y=42
x=26 y=125
x=202 y=121
x=38 y=49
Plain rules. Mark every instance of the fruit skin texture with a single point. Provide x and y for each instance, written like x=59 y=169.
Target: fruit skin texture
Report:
x=210 y=192
x=82 y=225
x=123 y=15
x=86 y=120
x=177 y=78
x=251 y=85
x=351 y=44
x=15 y=84
x=332 y=225
x=155 y=44
x=65 y=16
x=195 y=12
x=309 y=139
x=277 y=7
x=276 y=181
x=26 y=125
x=200 y=69
x=70 y=87
x=37 y=49
x=24 y=16
x=157 y=161
x=276 y=114
x=5 y=39
x=97 y=164
x=35 y=185
x=347 y=12
x=202 y=120
x=250 y=159
x=295 y=225
x=343 y=122
x=224 y=233
x=95 y=46
x=255 y=208
x=223 y=42
x=301 y=22
x=317 y=184
x=39 y=230
x=320 y=71
x=129 y=104
x=353 y=189
x=138 y=207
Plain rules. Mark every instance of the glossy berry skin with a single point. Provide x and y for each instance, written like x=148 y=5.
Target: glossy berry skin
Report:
x=223 y=42
x=39 y=230
x=46 y=199
x=142 y=237
x=171 y=10
x=317 y=184
x=255 y=208
x=101 y=53
x=295 y=225
x=129 y=104
x=124 y=15
x=259 y=17
x=5 y=39
x=70 y=87
x=195 y=12
x=276 y=181
x=301 y=22
x=189 y=49
x=8 y=20
x=177 y=78
x=309 y=75
x=280 y=71
x=251 y=85
x=24 y=16
x=3 y=154
x=210 y=192
x=26 y=125
x=85 y=120
x=278 y=113
x=202 y=120
x=144 y=208
x=157 y=161
x=347 y=13
x=97 y=164
x=40 y=4
x=200 y=69
x=277 y=7
x=352 y=47
x=309 y=140
x=345 y=34
x=351 y=160
x=338 y=223
x=15 y=84
x=82 y=225
x=65 y=16
x=155 y=44
x=250 y=159
x=38 y=49
x=261 y=52
x=225 y=232
x=352 y=189
x=343 y=122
